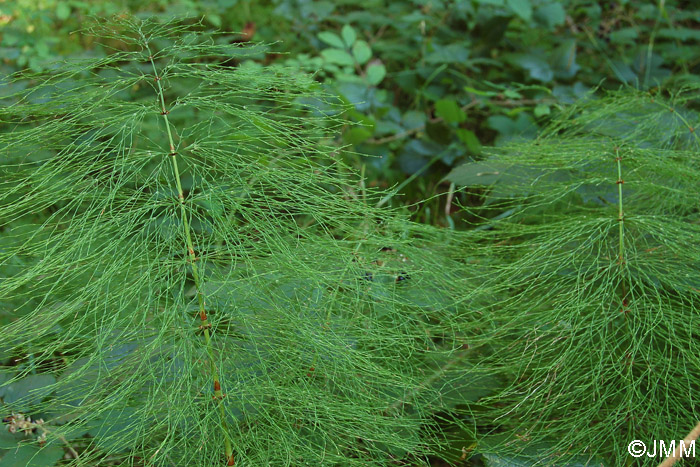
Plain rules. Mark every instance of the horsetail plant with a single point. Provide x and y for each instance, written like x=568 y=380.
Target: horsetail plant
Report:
x=205 y=326
x=592 y=232
x=187 y=279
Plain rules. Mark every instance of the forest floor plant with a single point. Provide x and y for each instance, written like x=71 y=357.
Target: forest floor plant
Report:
x=592 y=232
x=187 y=280
x=189 y=276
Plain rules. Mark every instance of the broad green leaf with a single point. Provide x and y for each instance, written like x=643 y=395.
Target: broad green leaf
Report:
x=520 y=127
x=450 y=111
x=496 y=460
x=512 y=94
x=624 y=36
x=117 y=425
x=320 y=10
x=357 y=135
x=477 y=173
x=461 y=387
x=349 y=35
x=337 y=57
x=29 y=455
x=10 y=440
x=679 y=33
x=457 y=52
x=536 y=65
x=533 y=456
x=551 y=14
x=522 y=8
x=470 y=140
x=541 y=110
x=331 y=39
x=376 y=73
x=413 y=119
x=214 y=19
x=362 y=52
x=29 y=390
x=563 y=60
x=459 y=442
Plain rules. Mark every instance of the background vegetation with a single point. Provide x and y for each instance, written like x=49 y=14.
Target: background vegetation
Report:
x=420 y=93
x=431 y=81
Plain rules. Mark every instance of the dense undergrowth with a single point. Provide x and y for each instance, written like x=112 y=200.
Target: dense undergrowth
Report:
x=191 y=275
x=430 y=81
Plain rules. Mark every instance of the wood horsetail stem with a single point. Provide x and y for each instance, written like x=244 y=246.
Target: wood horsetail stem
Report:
x=205 y=325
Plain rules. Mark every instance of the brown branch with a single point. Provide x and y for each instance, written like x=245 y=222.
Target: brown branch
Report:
x=673 y=458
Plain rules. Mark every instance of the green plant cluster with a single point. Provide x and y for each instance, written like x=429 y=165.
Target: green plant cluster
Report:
x=195 y=270
x=430 y=81
x=187 y=278
x=591 y=232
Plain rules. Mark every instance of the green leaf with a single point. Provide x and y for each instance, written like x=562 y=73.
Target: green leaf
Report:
x=531 y=455
x=541 y=110
x=349 y=35
x=214 y=19
x=116 y=422
x=337 y=57
x=512 y=94
x=451 y=53
x=563 y=60
x=522 y=8
x=28 y=455
x=681 y=34
x=478 y=92
x=450 y=111
x=10 y=440
x=413 y=119
x=375 y=73
x=28 y=391
x=551 y=14
x=63 y=10
x=470 y=140
x=331 y=39
x=362 y=52
x=496 y=460
x=521 y=127
x=536 y=65
x=476 y=174
x=624 y=36
x=357 y=135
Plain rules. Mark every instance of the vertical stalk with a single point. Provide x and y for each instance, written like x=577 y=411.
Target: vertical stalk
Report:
x=622 y=261
x=205 y=326
x=620 y=212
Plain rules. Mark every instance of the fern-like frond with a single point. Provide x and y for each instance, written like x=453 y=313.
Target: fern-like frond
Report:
x=187 y=279
x=595 y=300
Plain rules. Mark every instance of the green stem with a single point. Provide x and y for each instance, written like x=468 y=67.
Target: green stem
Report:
x=205 y=326
x=620 y=212
x=622 y=261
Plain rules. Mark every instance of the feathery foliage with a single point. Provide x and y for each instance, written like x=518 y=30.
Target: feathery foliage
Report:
x=190 y=276
x=187 y=278
x=592 y=233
